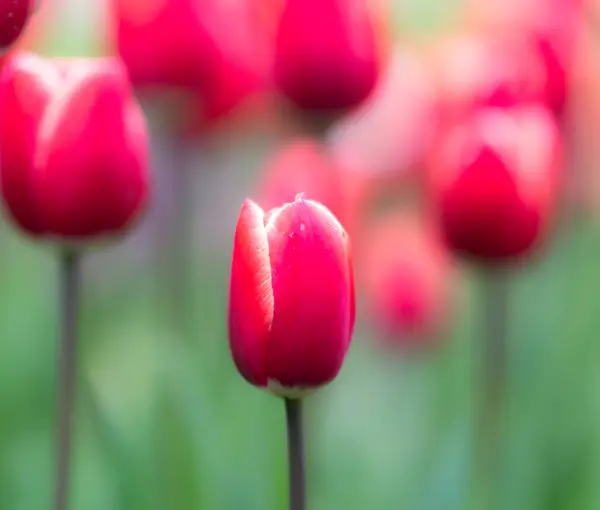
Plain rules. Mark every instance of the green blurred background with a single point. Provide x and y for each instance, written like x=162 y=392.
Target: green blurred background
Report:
x=167 y=423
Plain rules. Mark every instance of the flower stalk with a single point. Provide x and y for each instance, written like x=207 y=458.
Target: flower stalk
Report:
x=67 y=371
x=297 y=472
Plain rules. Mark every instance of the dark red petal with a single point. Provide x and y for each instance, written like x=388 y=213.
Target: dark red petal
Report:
x=250 y=295
x=313 y=298
x=26 y=86
x=13 y=18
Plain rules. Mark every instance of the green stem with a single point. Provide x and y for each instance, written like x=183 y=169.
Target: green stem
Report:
x=492 y=384
x=173 y=242
x=69 y=299
x=297 y=475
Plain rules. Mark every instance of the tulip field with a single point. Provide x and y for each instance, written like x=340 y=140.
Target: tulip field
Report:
x=299 y=255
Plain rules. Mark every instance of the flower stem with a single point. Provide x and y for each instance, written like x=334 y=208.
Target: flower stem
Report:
x=297 y=477
x=492 y=383
x=173 y=239
x=69 y=300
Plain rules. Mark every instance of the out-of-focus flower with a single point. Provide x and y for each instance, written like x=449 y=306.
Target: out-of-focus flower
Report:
x=73 y=163
x=494 y=180
x=500 y=70
x=291 y=301
x=550 y=29
x=26 y=86
x=14 y=15
x=218 y=53
x=405 y=273
x=163 y=42
x=392 y=129
x=302 y=166
x=327 y=58
x=477 y=70
x=240 y=76
x=41 y=18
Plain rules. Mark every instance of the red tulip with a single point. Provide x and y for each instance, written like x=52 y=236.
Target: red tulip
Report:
x=240 y=68
x=326 y=54
x=548 y=27
x=504 y=70
x=494 y=181
x=405 y=271
x=291 y=301
x=485 y=71
x=74 y=159
x=302 y=166
x=27 y=85
x=164 y=42
x=14 y=15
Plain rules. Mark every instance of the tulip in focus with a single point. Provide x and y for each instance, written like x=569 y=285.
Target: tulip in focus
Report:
x=291 y=300
x=14 y=15
x=494 y=180
x=405 y=272
x=73 y=164
x=326 y=54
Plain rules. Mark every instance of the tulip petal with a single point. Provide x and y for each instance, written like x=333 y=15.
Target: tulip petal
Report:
x=250 y=295
x=313 y=297
x=91 y=158
x=27 y=84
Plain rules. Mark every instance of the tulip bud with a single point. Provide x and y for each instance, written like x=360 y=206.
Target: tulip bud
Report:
x=14 y=15
x=405 y=272
x=494 y=181
x=326 y=55
x=291 y=300
x=79 y=170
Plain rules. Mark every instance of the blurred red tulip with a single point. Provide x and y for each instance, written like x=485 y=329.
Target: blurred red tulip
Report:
x=500 y=71
x=164 y=42
x=405 y=273
x=41 y=18
x=494 y=180
x=14 y=15
x=242 y=64
x=291 y=301
x=28 y=82
x=550 y=28
x=326 y=54
x=390 y=132
x=302 y=166
x=74 y=159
